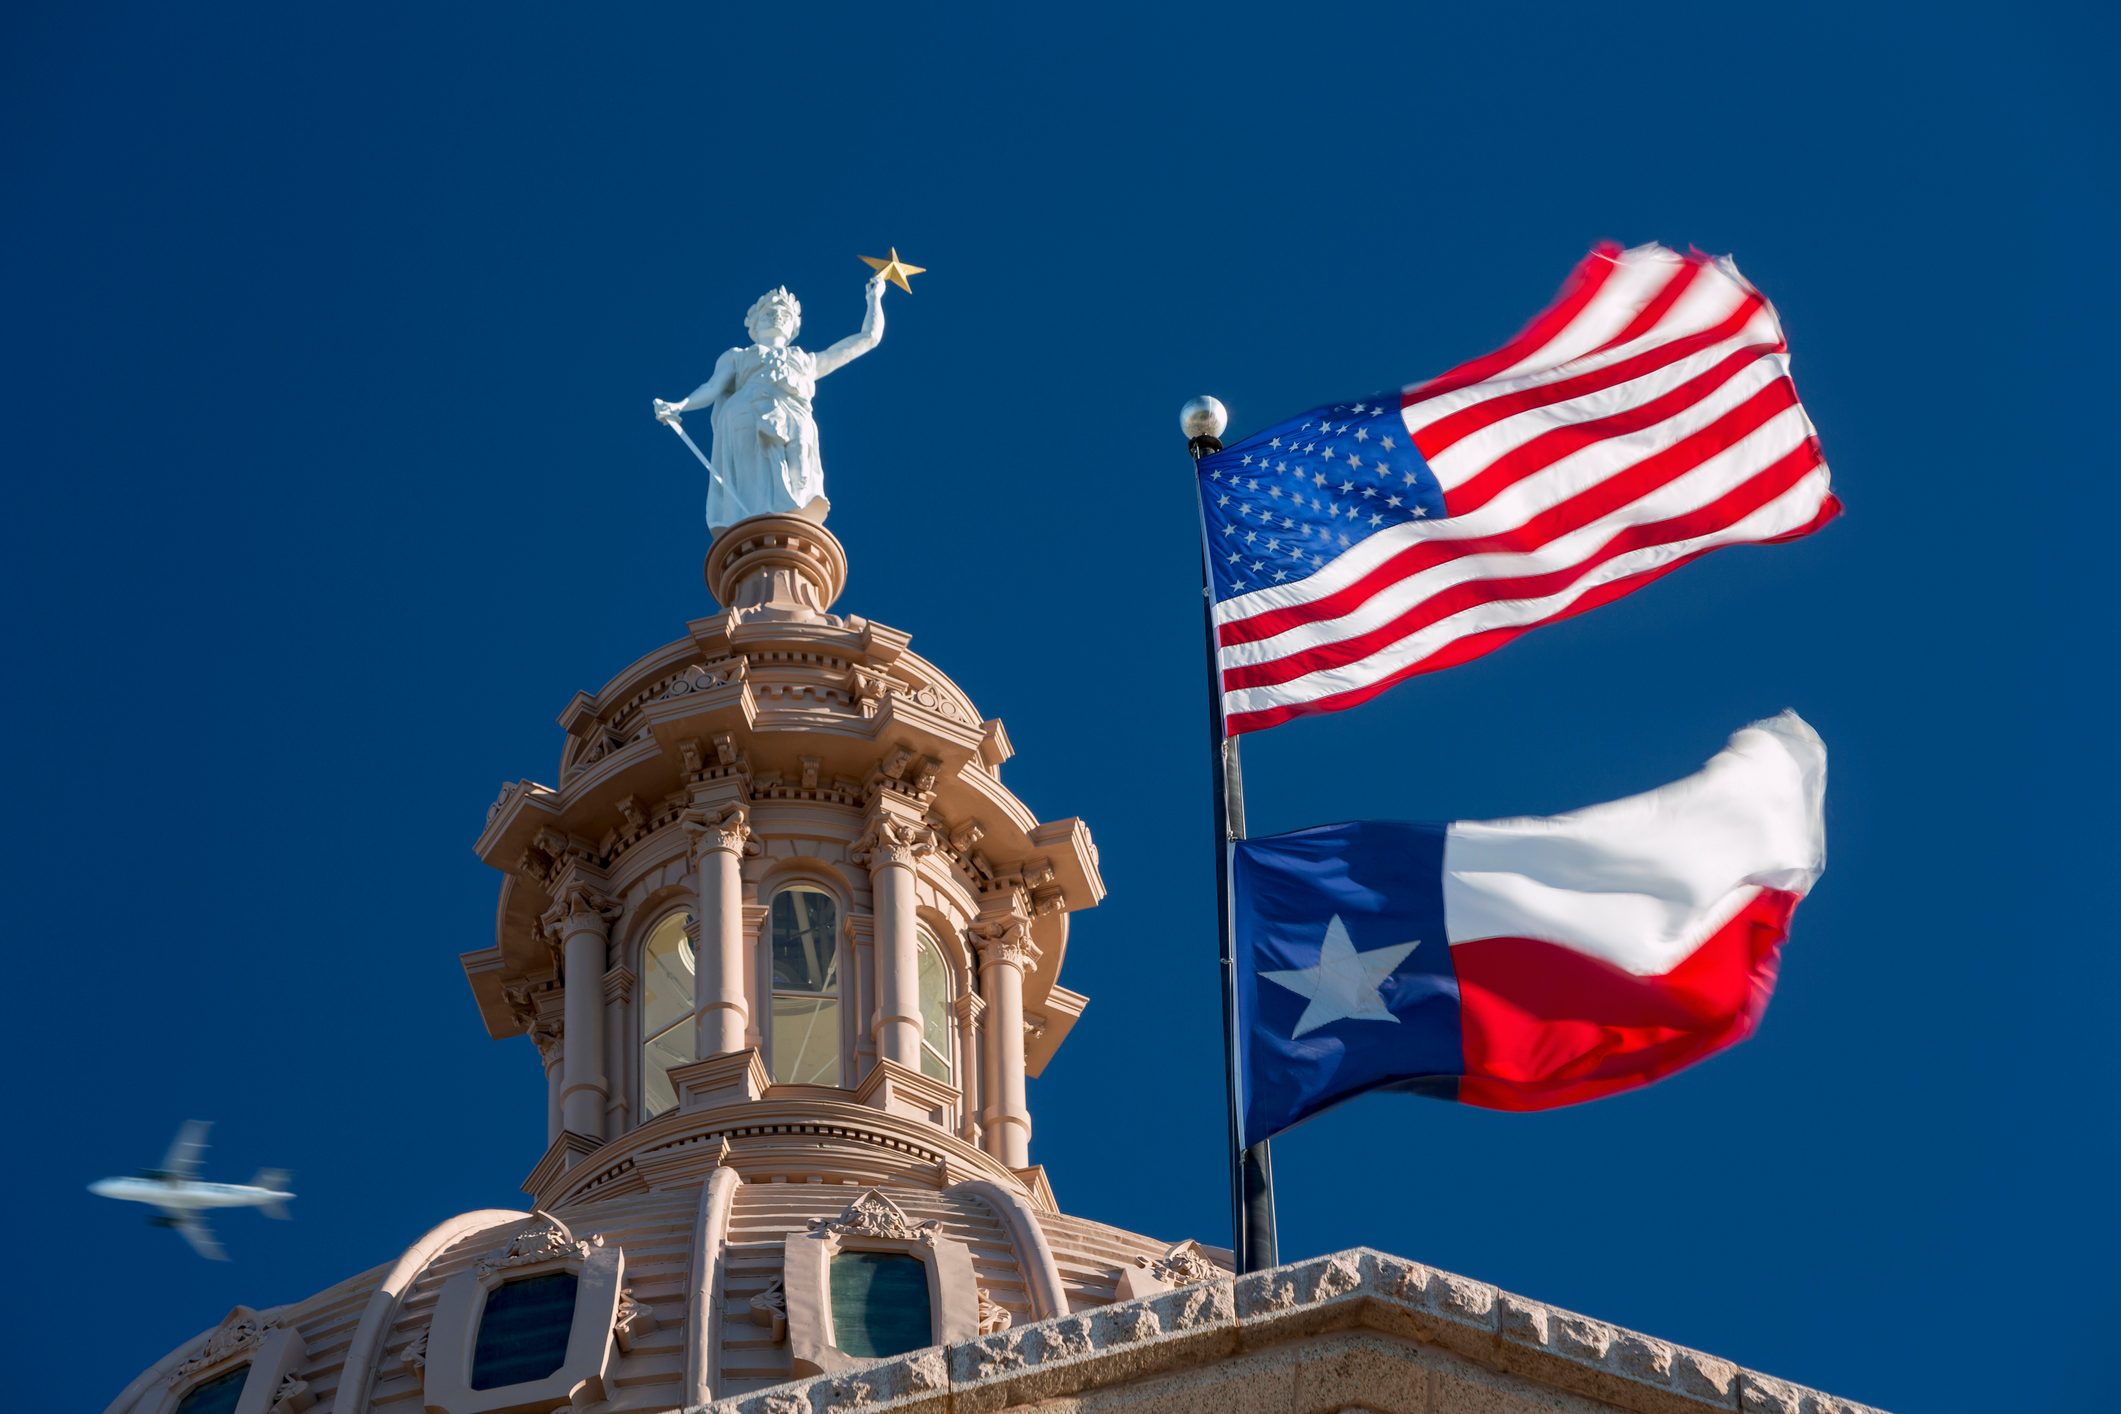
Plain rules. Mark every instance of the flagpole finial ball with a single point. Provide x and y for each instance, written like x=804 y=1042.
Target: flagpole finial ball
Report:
x=1203 y=417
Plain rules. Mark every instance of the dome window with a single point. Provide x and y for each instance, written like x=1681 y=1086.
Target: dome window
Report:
x=880 y=1304
x=523 y=1330
x=218 y=1395
x=805 y=1039
x=532 y=1325
x=666 y=1011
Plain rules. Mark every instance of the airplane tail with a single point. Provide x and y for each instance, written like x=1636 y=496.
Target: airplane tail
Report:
x=276 y=1180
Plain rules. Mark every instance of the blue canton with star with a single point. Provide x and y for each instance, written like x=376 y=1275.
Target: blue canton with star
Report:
x=1285 y=501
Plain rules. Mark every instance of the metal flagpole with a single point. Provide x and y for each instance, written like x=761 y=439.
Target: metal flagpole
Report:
x=1251 y=1169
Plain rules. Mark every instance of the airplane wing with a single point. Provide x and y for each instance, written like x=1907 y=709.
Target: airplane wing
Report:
x=197 y=1233
x=186 y=1149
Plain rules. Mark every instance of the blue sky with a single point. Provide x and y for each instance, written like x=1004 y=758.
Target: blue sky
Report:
x=330 y=477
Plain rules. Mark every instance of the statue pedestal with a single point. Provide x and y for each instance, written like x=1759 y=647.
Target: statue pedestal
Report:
x=777 y=567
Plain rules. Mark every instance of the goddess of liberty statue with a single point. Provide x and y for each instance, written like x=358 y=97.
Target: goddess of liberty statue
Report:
x=765 y=458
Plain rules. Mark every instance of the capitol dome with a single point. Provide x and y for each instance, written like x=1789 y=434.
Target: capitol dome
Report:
x=787 y=949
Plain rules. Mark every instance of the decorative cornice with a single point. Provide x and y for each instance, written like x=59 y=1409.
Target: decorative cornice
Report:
x=1455 y=1327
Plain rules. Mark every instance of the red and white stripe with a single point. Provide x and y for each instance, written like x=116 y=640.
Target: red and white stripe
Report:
x=1646 y=418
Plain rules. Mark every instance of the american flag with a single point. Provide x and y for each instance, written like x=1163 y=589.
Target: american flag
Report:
x=1646 y=418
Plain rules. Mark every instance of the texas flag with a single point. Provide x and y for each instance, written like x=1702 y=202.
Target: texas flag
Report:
x=1528 y=963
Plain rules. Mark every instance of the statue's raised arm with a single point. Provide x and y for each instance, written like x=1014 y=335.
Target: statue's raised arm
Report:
x=855 y=345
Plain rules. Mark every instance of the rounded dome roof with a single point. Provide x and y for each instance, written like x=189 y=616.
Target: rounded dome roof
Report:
x=724 y=1239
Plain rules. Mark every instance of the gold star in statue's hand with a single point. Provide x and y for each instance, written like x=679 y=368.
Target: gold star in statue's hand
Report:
x=894 y=269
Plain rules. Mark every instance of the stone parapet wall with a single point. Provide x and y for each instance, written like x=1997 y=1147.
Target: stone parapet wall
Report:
x=1356 y=1329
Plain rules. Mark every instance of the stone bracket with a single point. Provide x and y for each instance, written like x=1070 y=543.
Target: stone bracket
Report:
x=732 y=1079
x=900 y=1090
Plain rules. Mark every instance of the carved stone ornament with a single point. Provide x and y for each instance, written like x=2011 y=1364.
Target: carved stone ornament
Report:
x=634 y=1320
x=520 y=1006
x=549 y=1243
x=1008 y=940
x=889 y=840
x=1183 y=1265
x=866 y=688
x=292 y=1397
x=414 y=1356
x=770 y=1309
x=579 y=903
x=993 y=1316
x=727 y=830
x=243 y=1330
x=701 y=676
x=937 y=702
x=874 y=1215
x=545 y=1035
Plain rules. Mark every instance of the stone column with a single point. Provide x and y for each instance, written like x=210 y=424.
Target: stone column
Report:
x=890 y=848
x=1005 y=954
x=582 y=919
x=619 y=1036
x=547 y=1038
x=719 y=1008
x=968 y=1062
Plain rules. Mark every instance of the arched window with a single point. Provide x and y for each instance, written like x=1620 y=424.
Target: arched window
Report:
x=804 y=931
x=666 y=1012
x=523 y=1330
x=217 y=1396
x=935 y=1009
x=879 y=1303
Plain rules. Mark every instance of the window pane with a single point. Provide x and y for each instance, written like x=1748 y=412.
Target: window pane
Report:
x=523 y=1333
x=666 y=1011
x=805 y=941
x=673 y=1047
x=217 y=1396
x=666 y=975
x=880 y=1303
x=935 y=1008
x=806 y=1040
x=933 y=1063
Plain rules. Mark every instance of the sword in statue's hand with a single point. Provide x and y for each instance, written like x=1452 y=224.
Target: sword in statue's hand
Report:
x=667 y=414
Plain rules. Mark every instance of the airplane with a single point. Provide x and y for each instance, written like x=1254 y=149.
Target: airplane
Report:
x=176 y=1190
